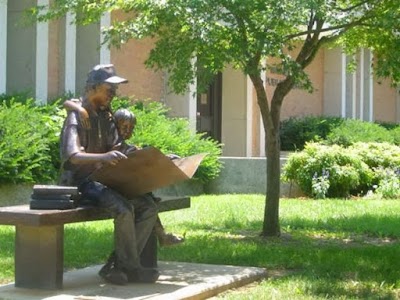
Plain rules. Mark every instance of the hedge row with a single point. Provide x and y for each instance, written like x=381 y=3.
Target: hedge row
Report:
x=29 y=139
x=296 y=132
x=337 y=171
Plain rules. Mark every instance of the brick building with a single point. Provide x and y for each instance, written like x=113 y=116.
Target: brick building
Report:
x=50 y=59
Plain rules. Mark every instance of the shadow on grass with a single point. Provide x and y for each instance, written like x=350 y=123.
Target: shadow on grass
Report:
x=355 y=258
x=376 y=226
x=327 y=269
x=87 y=245
x=369 y=225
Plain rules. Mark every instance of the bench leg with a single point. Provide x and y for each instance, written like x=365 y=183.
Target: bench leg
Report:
x=39 y=254
x=148 y=257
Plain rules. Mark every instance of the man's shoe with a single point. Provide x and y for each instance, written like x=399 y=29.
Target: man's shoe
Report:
x=143 y=275
x=105 y=269
x=109 y=265
x=169 y=239
x=114 y=276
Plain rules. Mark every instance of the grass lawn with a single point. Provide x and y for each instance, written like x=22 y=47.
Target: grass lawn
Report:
x=339 y=249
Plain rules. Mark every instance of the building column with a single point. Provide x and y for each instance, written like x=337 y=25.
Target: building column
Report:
x=398 y=105
x=370 y=86
x=361 y=88
x=249 y=118
x=354 y=94
x=42 y=57
x=3 y=46
x=105 y=57
x=183 y=105
x=70 y=54
x=192 y=95
x=343 y=85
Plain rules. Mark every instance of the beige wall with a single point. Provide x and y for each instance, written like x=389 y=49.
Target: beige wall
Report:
x=332 y=68
x=299 y=102
x=55 y=85
x=21 y=49
x=255 y=123
x=233 y=128
x=385 y=101
x=129 y=62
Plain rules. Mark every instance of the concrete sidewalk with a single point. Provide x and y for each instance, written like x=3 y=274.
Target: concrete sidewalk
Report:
x=177 y=281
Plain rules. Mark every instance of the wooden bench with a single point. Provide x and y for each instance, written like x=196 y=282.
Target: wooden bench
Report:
x=39 y=240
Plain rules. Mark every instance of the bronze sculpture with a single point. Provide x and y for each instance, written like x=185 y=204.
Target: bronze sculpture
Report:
x=85 y=147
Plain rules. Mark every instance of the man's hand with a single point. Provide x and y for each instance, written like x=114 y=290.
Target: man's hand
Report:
x=113 y=157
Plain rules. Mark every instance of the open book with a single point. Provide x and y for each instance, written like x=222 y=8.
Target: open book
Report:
x=146 y=170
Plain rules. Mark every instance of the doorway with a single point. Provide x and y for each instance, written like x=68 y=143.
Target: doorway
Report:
x=209 y=106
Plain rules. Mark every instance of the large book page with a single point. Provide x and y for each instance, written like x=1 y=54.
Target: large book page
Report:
x=146 y=170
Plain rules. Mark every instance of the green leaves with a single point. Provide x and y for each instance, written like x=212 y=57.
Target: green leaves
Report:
x=29 y=139
x=352 y=170
x=222 y=32
x=28 y=142
x=173 y=136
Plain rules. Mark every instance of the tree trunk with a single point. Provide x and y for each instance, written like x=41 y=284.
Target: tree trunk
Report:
x=270 y=119
x=271 y=225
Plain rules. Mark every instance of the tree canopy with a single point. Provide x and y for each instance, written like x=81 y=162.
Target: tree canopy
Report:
x=196 y=39
x=221 y=32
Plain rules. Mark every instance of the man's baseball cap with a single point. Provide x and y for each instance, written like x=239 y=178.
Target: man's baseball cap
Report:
x=104 y=73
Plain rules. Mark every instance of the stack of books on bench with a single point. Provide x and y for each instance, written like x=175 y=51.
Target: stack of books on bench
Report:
x=54 y=197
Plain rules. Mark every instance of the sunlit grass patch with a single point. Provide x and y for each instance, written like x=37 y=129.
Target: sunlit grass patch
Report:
x=332 y=248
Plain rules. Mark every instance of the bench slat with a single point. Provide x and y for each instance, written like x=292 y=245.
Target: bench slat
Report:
x=23 y=215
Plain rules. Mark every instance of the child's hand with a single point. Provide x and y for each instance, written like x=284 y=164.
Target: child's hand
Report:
x=84 y=118
x=131 y=149
x=117 y=146
x=173 y=156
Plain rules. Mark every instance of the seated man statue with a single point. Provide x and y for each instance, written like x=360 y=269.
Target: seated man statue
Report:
x=83 y=150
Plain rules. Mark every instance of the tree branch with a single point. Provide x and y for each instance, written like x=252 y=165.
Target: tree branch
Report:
x=354 y=6
x=342 y=26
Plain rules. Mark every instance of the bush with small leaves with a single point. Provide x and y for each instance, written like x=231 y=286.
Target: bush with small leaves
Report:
x=395 y=132
x=347 y=172
x=353 y=130
x=320 y=185
x=29 y=137
x=295 y=132
x=389 y=184
x=172 y=135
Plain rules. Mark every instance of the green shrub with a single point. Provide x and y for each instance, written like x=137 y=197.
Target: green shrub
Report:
x=172 y=135
x=352 y=130
x=295 y=132
x=335 y=171
x=379 y=154
x=22 y=98
x=378 y=157
x=29 y=139
x=346 y=172
x=395 y=132
x=28 y=142
x=320 y=185
x=387 y=125
x=389 y=183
